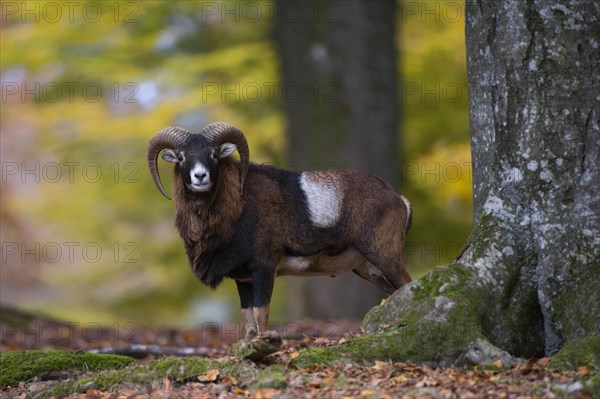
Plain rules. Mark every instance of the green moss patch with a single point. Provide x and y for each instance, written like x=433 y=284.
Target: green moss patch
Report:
x=318 y=355
x=179 y=370
x=434 y=319
x=441 y=343
x=584 y=352
x=415 y=301
x=25 y=365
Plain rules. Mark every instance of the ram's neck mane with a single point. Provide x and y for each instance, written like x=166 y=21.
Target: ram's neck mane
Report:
x=206 y=221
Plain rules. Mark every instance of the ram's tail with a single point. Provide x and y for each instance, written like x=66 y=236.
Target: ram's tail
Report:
x=408 y=213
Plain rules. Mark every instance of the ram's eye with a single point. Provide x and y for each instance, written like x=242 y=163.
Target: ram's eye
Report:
x=213 y=155
x=180 y=157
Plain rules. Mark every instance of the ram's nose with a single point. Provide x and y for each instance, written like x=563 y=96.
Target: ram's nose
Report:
x=199 y=175
x=202 y=178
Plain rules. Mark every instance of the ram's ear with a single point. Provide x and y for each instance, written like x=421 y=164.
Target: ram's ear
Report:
x=226 y=150
x=169 y=156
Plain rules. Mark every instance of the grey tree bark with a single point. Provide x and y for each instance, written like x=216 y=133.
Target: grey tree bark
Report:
x=535 y=112
x=528 y=281
x=341 y=57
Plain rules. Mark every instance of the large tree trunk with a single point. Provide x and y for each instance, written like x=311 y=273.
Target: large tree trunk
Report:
x=535 y=130
x=342 y=57
x=529 y=279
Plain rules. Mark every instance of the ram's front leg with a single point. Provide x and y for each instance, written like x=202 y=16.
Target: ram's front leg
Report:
x=246 y=300
x=263 y=280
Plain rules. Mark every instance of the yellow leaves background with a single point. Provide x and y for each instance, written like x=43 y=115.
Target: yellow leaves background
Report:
x=96 y=92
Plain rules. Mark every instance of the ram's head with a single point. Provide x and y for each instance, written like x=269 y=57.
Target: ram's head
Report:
x=197 y=156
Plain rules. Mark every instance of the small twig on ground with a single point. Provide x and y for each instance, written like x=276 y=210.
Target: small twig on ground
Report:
x=138 y=351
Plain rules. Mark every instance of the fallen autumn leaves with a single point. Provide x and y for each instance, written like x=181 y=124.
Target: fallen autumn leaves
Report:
x=349 y=380
x=217 y=375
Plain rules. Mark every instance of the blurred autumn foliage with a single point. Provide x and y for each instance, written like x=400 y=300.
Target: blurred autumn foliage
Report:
x=85 y=234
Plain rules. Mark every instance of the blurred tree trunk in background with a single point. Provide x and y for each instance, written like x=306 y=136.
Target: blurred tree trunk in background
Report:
x=340 y=77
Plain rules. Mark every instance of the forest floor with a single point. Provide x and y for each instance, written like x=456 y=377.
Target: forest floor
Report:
x=212 y=372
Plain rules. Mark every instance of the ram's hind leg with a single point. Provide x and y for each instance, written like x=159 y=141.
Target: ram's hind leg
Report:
x=383 y=251
x=391 y=272
x=387 y=259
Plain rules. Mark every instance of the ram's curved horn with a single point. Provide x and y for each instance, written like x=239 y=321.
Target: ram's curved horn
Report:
x=221 y=132
x=169 y=137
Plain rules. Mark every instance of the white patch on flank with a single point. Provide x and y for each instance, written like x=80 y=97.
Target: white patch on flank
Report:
x=324 y=197
x=199 y=169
